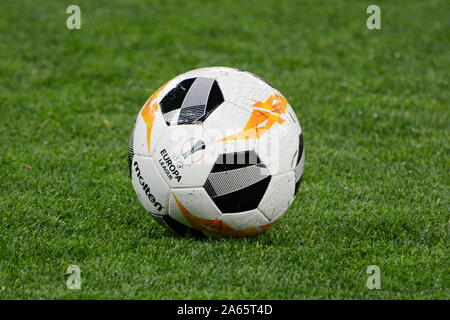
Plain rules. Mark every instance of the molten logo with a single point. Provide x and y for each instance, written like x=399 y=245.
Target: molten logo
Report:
x=145 y=187
x=264 y=115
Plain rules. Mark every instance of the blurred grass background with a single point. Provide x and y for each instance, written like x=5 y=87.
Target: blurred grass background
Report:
x=373 y=105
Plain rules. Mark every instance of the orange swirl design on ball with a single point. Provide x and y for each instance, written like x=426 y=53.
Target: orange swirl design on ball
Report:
x=218 y=227
x=149 y=113
x=267 y=112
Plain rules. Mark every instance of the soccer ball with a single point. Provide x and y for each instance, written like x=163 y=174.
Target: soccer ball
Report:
x=216 y=152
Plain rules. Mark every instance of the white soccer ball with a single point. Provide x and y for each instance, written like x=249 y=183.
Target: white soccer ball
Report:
x=218 y=152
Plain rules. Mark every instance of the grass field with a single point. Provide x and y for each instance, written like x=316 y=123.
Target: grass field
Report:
x=374 y=108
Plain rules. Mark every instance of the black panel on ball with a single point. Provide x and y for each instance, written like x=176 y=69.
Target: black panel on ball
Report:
x=174 y=98
x=242 y=200
x=298 y=177
x=297 y=184
x=131 y=148
x=191 y=101
x=237 y=182
x=300 y=147
x=235 y=160
x=214 y=100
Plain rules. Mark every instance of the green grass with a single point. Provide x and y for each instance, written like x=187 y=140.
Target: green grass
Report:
x=374 y=107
